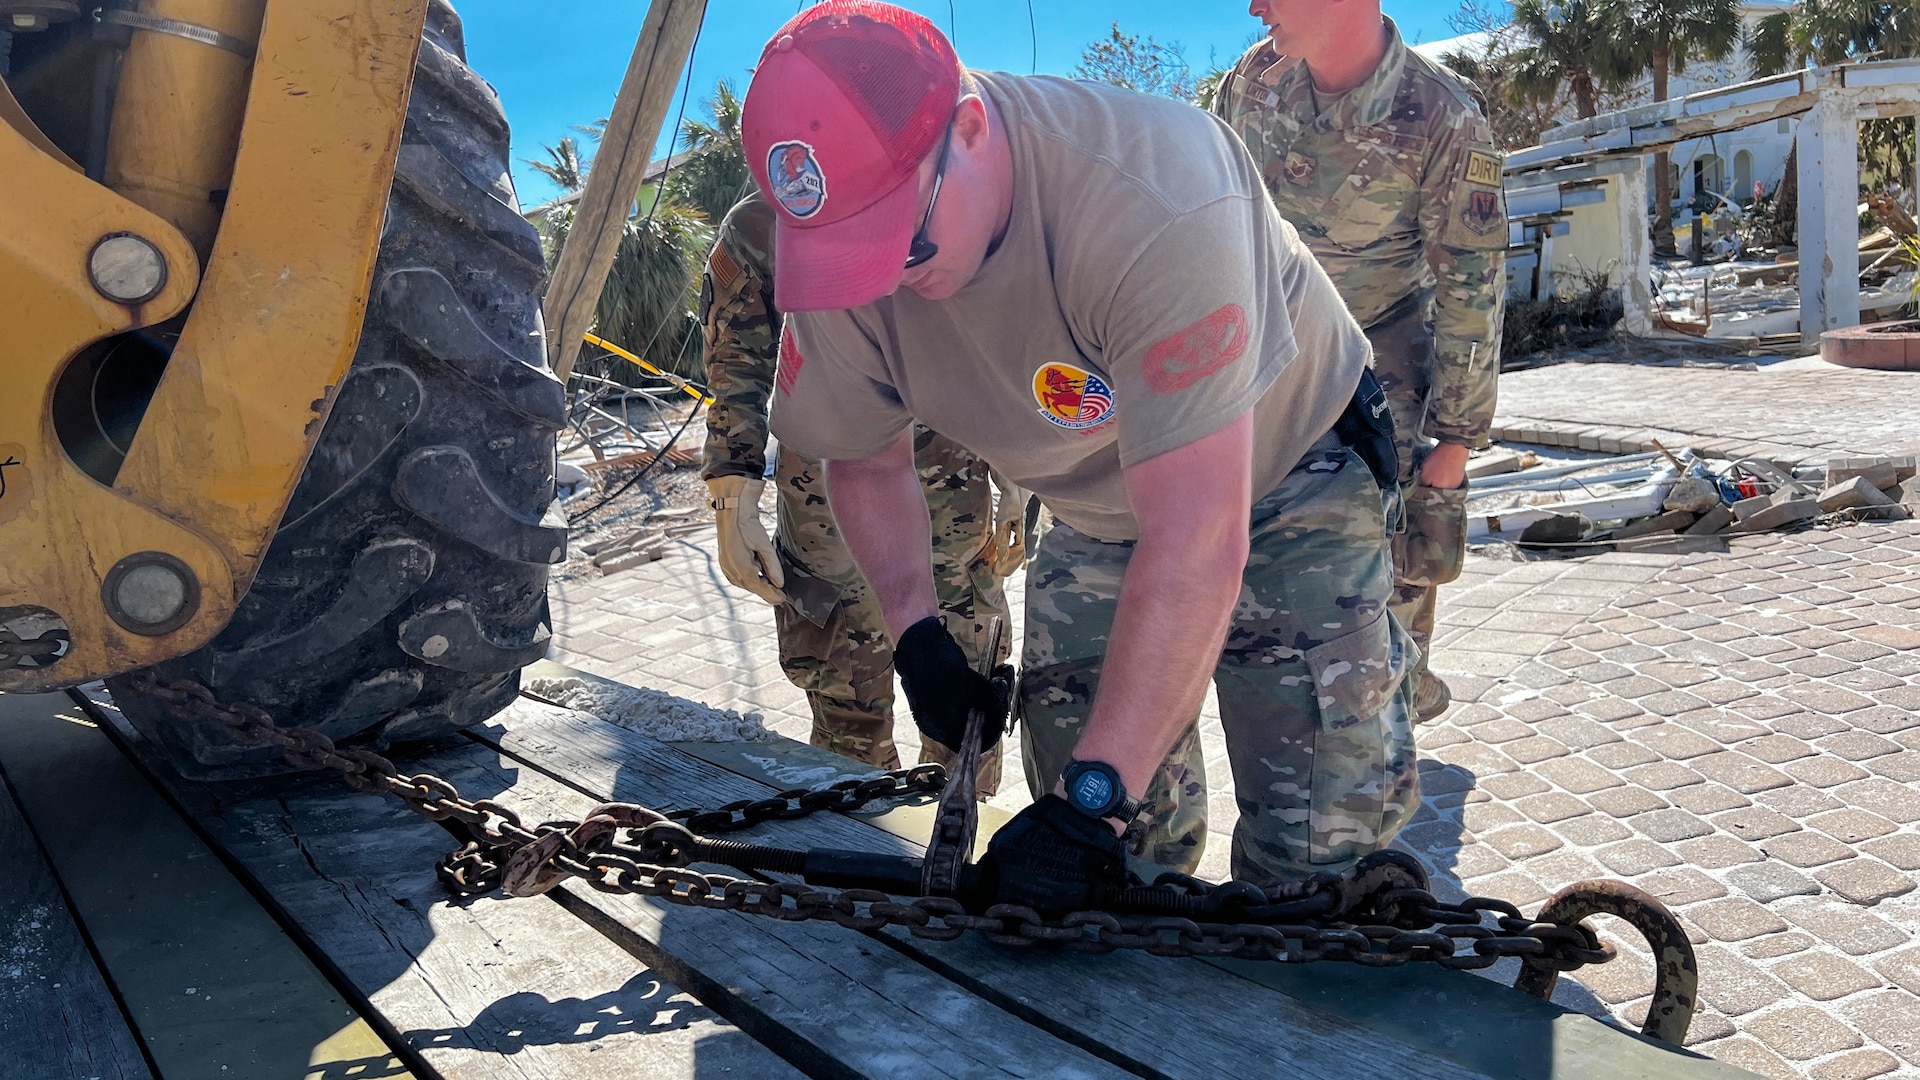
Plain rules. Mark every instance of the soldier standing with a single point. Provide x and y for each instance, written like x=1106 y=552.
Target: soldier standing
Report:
x=845 y=662
x=1383 y=161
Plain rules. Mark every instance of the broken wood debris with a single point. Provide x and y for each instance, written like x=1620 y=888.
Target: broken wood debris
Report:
x=1675 y=501
x=645 y=544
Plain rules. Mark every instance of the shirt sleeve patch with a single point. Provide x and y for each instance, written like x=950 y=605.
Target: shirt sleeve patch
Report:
x=722 y=269
x=788 y=370
x=1186 y=356
x=1483 y=169
x=1483 y=212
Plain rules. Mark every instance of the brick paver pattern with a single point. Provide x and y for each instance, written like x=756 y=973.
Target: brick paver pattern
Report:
x=1793 y=413
x=1734 y=733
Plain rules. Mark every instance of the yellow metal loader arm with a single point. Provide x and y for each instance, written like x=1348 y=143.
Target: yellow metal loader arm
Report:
x=151 y=566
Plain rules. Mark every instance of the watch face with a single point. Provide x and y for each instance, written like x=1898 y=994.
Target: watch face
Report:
x=1093 y=790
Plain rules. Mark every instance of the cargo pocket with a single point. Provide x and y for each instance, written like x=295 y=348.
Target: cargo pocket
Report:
x=1363 y=750
x=1433 y=547
x=807 y=652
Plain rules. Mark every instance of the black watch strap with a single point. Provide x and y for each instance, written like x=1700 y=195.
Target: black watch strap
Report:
x=1094 y=789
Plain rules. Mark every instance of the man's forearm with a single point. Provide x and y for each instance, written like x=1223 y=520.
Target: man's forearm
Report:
x=1171 y=622
x=882 y=514
x=1176 y=601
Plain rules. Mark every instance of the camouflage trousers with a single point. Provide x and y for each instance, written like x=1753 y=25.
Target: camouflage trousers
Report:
x=846 y=667
x=1312 y=685
x=1431 y=546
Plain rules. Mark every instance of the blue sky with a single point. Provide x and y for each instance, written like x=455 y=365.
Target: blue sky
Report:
x=559 y=62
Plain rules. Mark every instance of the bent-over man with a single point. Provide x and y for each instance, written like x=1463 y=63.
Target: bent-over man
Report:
x=1091 y=289
x=844 y=662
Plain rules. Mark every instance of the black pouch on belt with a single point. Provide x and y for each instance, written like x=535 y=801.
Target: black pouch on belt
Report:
x=1367 y=427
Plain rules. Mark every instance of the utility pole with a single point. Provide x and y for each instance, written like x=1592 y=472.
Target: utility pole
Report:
x=653 y=75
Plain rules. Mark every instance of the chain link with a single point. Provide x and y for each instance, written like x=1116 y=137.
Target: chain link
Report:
x=1371 y=915
x=38 y=651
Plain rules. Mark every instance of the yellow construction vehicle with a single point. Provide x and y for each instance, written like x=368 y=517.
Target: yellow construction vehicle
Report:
x=278 y=414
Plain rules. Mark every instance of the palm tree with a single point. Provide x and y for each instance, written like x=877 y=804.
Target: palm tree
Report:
x=713 y=173
x=1835 y=32
x=565 y=167
x=647 y=305
x=1664 y=35
x=1515 y=119
x=1576 y=44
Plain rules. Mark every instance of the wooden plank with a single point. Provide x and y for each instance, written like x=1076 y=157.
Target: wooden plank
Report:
x=477 y=989
x=1455 y=1016
x=838 y=1002
x=212 y=985
x=57 y=1017
x=1227 y=1026
x=783 y=763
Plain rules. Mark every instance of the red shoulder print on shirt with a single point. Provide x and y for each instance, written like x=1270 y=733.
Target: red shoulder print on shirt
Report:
x=788 y=368
x=1186 y=356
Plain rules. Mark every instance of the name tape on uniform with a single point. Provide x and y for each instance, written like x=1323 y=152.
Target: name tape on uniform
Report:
x=1483 y=169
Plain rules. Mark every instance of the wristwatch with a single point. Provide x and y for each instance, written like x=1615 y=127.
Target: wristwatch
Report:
x=1094 y=789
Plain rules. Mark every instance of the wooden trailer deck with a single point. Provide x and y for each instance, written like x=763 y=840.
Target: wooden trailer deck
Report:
x=160 y=928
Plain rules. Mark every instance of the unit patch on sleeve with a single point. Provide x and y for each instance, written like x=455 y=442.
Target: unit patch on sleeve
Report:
x=1072 y=397
x=1184 y=357
x=1483 y=213
x=1483 y=169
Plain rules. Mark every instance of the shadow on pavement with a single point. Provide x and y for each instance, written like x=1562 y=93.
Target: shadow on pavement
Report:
x=1437 y=839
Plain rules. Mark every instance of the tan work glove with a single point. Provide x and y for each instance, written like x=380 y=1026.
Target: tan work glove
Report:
x=1007 y=547
x=746 y=552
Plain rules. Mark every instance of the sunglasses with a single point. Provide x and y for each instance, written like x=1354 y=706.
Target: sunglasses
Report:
x=922 y=248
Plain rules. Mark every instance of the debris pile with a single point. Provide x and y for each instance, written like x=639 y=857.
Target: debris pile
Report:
x=1750 y=301
x=1674 y=501
x=636 y=547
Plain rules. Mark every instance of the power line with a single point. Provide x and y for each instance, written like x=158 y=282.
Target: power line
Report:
x=1033 y=38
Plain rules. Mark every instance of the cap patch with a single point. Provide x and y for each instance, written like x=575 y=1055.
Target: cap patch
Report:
x=1072 y=397
x=798 y=184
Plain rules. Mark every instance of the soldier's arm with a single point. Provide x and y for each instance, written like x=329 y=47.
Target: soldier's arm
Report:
x=741 y=333
x=1464 y=229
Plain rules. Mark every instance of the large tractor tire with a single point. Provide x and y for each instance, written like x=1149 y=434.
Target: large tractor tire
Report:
x=407 y=584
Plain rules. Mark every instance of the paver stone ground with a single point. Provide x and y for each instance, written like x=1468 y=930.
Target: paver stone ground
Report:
x=1706 y=726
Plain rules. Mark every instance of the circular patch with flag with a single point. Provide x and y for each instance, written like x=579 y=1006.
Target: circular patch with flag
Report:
x=1072 y=397
x=796 y=179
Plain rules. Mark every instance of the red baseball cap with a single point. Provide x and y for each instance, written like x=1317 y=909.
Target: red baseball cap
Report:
x=847 y=100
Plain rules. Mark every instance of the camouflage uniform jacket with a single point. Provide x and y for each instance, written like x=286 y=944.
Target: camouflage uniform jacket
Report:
x=1396 y=187
x=743 y=331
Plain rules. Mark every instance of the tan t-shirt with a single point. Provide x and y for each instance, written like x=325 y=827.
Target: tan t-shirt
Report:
x=1146 y=294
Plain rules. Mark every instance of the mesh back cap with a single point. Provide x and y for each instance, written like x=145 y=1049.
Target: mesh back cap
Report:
x=847 y=100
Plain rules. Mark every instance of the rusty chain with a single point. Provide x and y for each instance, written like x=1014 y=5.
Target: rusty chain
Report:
x=844 y=797
x=1378 y=914
x=38 y=651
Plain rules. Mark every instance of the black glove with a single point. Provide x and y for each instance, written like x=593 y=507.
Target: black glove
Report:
x=941 y=688
x=1054 y=859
